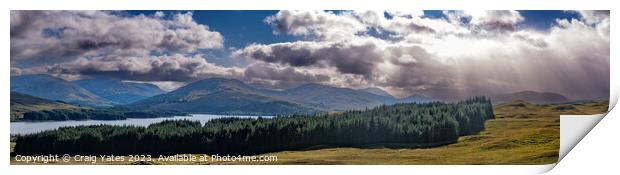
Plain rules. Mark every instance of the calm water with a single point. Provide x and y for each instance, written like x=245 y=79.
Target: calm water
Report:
x=34 y=127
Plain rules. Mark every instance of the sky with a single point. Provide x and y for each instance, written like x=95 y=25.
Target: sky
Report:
x=433 y=53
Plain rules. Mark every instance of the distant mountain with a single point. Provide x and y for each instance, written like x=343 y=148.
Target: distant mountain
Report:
x=529 y=96
x=22 y=103
x=221 y=96
x=119 y=92
x=53 y=88
x=214 y=95
x=416 y=99
x=330 y=98
x=377 y=91
x=410 y=99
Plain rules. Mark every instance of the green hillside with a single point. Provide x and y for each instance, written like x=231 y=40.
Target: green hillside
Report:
x=118 y=91
x=53 y=88
x=22 y=103
x=220 y=96
x=29 y=108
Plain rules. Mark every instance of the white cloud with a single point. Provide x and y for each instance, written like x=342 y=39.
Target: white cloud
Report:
x=594 y=16
x=60 y=36
x=321 y=24
x=490 y=53
x=465 y=53
x=495 y=19
x=406 y=14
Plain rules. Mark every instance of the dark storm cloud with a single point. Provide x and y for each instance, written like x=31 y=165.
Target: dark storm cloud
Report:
x=272 y=72
x=410 y=65
x=274 y=76
x=350 y=58
x=162 y=68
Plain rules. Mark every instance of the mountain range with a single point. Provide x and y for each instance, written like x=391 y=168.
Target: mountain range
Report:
x=222 y=95
x=119 y=92
x=53 y=88
x=329 y=98
x=99 y=92
x=377 y=91
x=229 y=96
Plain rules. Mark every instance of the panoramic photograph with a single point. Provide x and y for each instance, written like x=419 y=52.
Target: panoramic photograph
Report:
x=328 y=87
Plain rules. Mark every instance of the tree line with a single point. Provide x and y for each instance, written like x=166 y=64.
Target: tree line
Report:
x=401 y=124
x=116 y=113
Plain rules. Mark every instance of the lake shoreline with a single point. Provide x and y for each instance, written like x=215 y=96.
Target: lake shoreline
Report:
x=31 y=127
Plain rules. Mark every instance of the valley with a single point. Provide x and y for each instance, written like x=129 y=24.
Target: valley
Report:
x=521 y=133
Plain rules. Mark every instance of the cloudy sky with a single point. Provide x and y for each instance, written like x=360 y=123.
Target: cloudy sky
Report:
x=433 y=53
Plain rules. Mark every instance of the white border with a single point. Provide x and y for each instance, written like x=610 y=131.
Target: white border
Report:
x=307 y=4
x=599 y=150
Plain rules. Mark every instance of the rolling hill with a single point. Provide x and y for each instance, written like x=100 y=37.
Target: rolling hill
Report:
x=377 y=91
x=221 y=96
x=332 y=98
x=53 y=88
x=117 y=91
x=529 y=96
x=22 y=103
x=29 y=108
x=230 y=96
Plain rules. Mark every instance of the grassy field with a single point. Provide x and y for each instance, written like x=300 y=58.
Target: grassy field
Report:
x=522 y=133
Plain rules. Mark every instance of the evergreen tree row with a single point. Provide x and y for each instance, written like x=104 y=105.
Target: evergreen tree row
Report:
x=415 y=124
x=95 y=114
